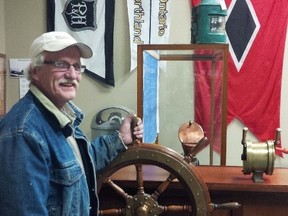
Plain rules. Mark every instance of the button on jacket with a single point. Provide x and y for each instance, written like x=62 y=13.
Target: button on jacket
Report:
x=39 y=172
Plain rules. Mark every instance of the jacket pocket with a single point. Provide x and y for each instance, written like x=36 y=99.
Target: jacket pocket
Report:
x=67 y=173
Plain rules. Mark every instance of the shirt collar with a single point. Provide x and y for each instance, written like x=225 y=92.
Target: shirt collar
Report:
x=65 y=116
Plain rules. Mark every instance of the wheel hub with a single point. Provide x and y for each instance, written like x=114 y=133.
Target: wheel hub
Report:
x=142 y=204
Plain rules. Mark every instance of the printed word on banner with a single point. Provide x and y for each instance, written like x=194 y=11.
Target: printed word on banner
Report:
x=90 y=22
x=149 y=23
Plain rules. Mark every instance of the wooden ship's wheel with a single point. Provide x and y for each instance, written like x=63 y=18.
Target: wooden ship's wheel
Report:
x=179 y=168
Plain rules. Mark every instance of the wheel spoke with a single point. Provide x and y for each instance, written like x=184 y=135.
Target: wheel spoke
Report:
x=140 y=187
x=163 y=187
x=177 y=208
x=112 y=212
x=118 y=189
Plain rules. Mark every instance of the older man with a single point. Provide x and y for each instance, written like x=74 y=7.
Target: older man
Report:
x=48 y=166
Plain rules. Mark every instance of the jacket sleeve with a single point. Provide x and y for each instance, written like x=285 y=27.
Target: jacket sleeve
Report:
x=106 y=148
x=24 y=178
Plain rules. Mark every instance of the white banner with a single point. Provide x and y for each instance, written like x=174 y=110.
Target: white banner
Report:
x=149 y=23
x=86 y=21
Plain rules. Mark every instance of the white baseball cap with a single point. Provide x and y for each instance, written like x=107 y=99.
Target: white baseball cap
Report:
x=57 y=41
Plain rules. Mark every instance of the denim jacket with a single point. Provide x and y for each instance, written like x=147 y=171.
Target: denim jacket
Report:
x=39 y=172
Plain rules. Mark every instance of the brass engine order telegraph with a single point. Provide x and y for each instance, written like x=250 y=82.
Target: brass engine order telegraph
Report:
x=258 y=158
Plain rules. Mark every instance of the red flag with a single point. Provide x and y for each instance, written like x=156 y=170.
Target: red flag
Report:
x=255 y=70
x=256 y=32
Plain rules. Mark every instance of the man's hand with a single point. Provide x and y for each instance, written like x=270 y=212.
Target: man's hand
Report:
x=126 y=131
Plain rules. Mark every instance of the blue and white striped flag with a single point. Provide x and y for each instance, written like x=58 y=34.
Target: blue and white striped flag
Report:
x=150 y=98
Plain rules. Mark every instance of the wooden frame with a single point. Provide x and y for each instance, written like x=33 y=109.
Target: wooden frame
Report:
x=2 y=84
x=188 y=57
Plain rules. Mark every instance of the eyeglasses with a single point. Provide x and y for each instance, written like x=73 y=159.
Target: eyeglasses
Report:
x=64 y=66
